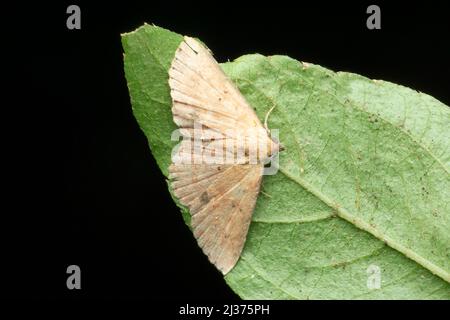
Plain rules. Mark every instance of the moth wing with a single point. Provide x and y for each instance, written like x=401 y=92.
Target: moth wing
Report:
x=202 y=93
x=221 y=199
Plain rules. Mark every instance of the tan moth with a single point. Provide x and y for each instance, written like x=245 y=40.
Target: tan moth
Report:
x=217 y=169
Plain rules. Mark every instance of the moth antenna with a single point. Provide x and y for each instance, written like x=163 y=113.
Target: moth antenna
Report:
x=266 y=118
x=266 y=194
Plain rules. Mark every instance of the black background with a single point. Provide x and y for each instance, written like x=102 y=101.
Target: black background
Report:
x=84 y=187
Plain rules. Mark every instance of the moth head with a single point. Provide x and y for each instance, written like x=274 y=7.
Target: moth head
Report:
x=274 y=147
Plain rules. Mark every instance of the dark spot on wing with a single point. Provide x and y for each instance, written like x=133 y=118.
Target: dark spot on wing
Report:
x=204 y=197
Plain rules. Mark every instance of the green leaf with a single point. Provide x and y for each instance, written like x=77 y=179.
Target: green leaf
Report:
x=363 y=184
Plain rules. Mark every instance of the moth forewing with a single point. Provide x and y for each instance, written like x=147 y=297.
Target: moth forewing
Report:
x=221 y=183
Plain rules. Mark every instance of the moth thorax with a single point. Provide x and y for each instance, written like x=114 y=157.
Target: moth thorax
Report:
x=258 y=148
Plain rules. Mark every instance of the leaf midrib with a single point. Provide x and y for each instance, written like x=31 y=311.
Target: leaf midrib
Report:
x=346 y=215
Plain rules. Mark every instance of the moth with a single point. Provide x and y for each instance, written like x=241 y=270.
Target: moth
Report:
x=217 y=168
